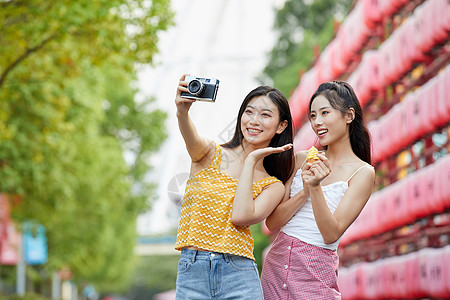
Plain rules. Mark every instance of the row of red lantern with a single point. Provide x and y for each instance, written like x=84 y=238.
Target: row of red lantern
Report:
x=420 y=194
x=336 y=57
x=427 y=27
x=408 y=45
x=357 y=28
x=421 y=274
x=421 y=112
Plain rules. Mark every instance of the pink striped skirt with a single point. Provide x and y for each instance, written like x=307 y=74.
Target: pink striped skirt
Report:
x=297 y=270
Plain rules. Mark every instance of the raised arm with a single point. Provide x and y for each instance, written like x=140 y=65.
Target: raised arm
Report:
x=198 y=147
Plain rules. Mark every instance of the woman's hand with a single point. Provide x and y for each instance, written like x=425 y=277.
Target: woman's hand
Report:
x=263 y=152
x=183 y=104
x=314 y=173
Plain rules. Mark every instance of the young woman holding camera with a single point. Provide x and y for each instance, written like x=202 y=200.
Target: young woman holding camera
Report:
x=221 y=201
x=322 y=200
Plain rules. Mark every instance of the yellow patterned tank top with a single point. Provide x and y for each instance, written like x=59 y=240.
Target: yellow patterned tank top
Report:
x=205 y=220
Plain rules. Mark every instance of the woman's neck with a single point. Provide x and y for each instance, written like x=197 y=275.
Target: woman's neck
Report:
x=340 y=153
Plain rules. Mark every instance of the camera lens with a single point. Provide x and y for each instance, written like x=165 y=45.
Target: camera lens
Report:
x=196 y=87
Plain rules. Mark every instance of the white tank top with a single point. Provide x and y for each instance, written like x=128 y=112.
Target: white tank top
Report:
x=303 y=225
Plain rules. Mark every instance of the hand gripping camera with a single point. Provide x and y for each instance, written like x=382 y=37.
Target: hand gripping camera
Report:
x=202 y=89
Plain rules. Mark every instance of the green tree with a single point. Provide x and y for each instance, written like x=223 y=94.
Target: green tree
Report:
x=300 y=25
x=68 y=119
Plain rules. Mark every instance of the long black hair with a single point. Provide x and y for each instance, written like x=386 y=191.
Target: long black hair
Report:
x=280 y=165
x=342 y=97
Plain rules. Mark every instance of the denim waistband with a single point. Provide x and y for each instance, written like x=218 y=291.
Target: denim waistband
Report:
x=204 y=255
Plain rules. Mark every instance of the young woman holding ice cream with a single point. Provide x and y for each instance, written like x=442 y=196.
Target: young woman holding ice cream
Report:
x=323 y=198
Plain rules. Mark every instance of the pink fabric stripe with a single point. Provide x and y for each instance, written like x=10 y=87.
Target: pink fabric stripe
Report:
x=297 y=270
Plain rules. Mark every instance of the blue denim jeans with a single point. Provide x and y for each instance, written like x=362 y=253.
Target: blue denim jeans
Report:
x=211 y=275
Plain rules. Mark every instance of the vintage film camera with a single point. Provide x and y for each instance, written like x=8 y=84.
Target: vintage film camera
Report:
x=202 y=89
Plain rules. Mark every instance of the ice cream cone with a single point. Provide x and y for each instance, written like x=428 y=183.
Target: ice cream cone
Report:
x=312 y=155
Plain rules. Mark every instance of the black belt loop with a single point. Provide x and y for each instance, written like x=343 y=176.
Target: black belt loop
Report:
x=194 y=254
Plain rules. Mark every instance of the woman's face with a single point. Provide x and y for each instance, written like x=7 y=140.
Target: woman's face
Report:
x=328 y=123
x=260 y=121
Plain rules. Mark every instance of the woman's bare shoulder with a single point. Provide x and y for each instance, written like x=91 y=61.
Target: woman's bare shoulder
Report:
x=364 y=172
x=300 y=158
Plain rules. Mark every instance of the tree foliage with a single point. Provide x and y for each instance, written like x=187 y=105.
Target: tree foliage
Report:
x=68 y=120
x=300 y=25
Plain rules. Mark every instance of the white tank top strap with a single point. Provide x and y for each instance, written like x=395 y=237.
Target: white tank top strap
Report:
x=303 y=163
x=357 y=171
